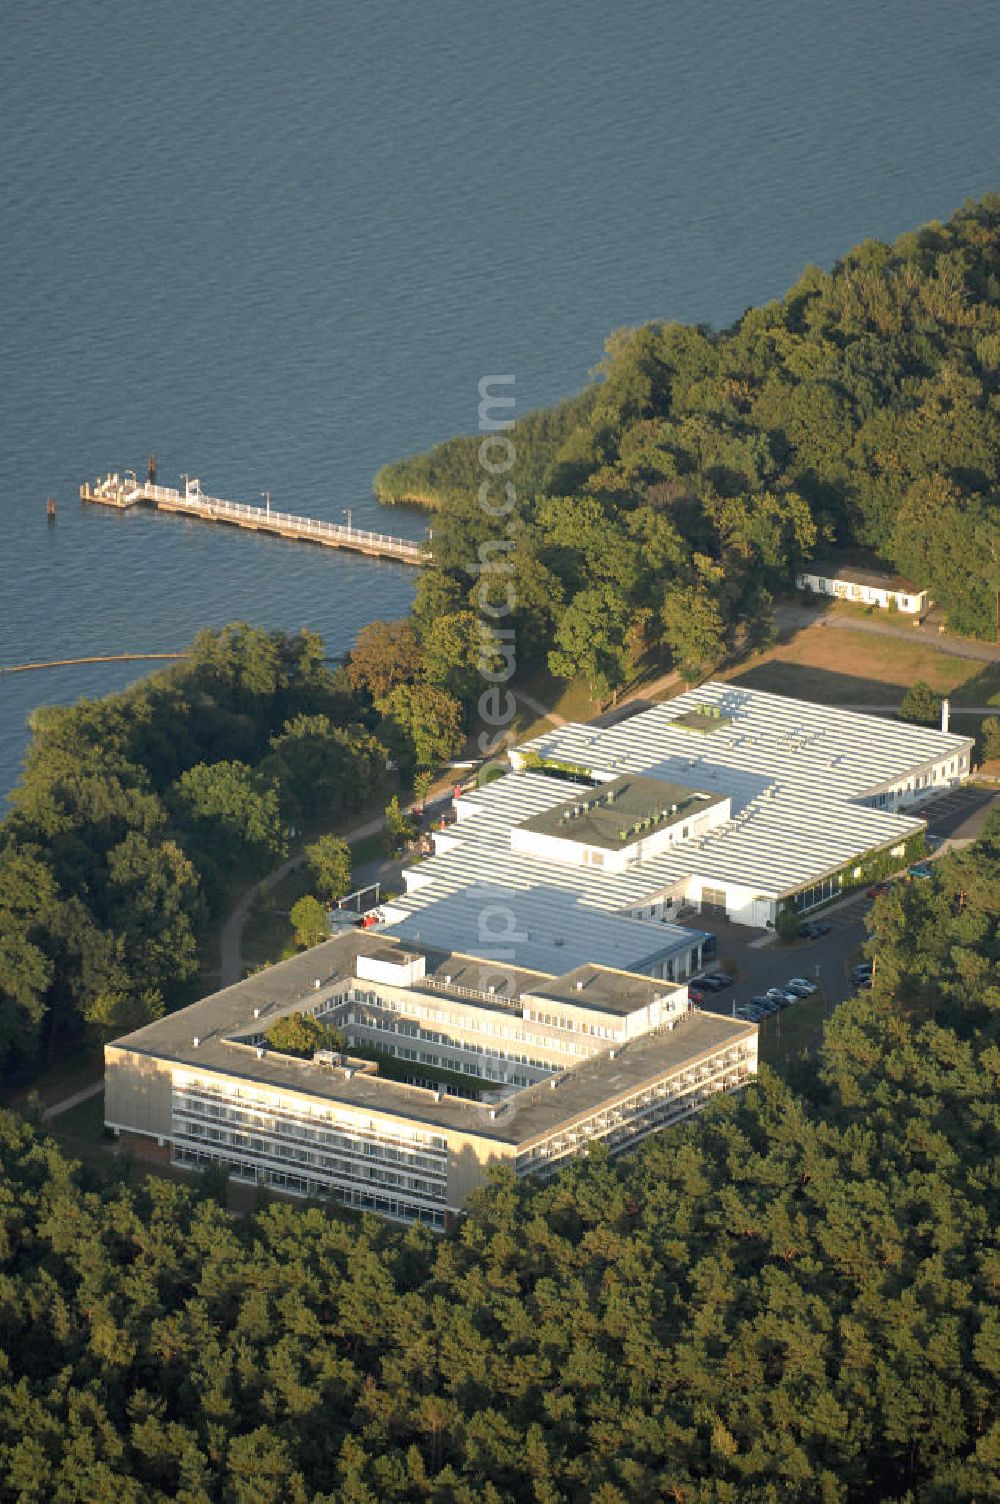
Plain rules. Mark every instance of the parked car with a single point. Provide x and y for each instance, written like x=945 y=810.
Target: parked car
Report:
x=704 y=984
x=863 y=984
x=782 y=996
x=695 y=996
x=813 y=930
x=764 y=1004
x=802 y=985
x=750 y=1014
x=877 y=889
x=921 y=869
x=862 y=969
x=715 y=981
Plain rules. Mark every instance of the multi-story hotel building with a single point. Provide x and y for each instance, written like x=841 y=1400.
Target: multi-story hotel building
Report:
x=530 y=986
x=502 y=1064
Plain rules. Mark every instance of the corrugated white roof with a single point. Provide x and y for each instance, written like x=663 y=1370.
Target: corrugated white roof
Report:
x=794 y=771
x=542 y=927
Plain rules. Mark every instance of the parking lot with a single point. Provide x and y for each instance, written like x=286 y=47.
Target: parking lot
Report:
x=956 y=816
x=760 y=966
x=961 y=814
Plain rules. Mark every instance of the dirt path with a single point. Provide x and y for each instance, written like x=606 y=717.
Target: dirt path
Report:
x=539 y=709
x=231 y=938
x=84 y=1095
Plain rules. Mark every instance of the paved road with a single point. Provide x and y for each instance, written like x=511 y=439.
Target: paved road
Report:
x=956 y=709
x=790 y=618
x=961 y=814
x=231 y=938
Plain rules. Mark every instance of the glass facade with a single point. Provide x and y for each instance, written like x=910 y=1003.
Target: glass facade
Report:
x=311 y=1152
x=821 y=892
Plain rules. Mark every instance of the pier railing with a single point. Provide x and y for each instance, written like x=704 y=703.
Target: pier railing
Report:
x=116 y=492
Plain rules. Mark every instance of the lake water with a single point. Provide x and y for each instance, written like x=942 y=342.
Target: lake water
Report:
x=279 y=246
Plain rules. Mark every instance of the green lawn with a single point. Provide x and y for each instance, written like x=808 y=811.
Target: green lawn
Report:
x=833 y=667
x=84 y=1122
x=368 y=849
x=268 y=935
x=59 y=1080
x=570 y=700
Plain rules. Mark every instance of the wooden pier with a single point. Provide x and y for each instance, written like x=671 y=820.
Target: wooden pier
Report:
x=126 y=491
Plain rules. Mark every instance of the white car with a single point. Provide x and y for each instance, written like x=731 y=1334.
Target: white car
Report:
x=802 y=986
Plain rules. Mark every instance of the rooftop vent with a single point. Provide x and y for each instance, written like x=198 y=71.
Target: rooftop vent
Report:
x=260 y=1052
x=256 y=1013
x=196 y=1041
x=317 y=983
x=579 y=986
x=611 y=1054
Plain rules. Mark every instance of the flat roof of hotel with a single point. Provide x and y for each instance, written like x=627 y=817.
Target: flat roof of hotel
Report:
x=528 y=912
x=622 y=811
x=215 y=1020
x=528 y=1113
x=604 y=988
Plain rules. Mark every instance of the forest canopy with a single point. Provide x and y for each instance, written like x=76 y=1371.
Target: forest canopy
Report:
x=663 y=508
x=792 y=1297
x=137 y=812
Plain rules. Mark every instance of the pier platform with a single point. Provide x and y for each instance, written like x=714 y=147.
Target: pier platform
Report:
x=125 y=491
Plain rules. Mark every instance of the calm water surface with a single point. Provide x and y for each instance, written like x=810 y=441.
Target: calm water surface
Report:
x=280 y=245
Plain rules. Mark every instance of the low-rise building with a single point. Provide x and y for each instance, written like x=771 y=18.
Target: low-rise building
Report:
x=869 y=587
x=724 y=802
x=551 y=1063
